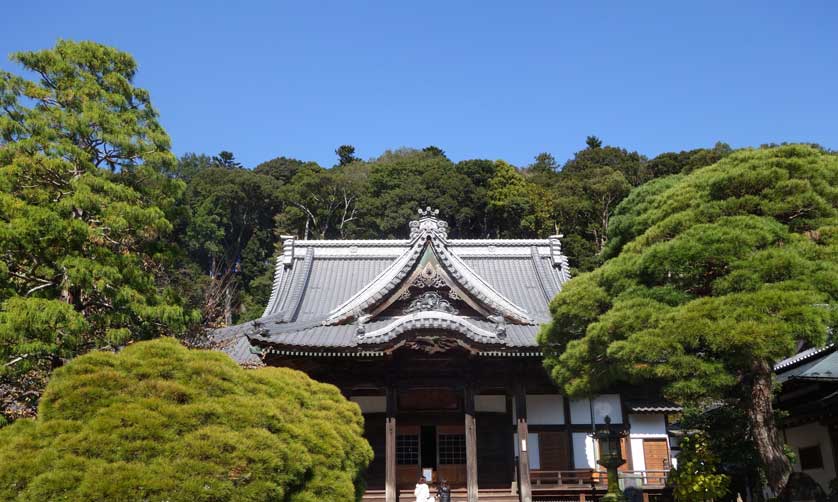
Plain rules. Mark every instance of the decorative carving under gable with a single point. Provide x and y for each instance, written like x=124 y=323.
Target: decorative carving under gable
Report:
x=430 y=300
x=428 y=223
x=429 y=277
x=432 y=344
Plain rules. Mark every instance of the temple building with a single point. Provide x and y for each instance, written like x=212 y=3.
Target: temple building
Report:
x=809 y=396
x=436 y=340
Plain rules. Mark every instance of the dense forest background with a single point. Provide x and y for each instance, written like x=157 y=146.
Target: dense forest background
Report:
x=231 y=216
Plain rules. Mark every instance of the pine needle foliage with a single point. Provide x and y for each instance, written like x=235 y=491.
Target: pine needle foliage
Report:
x=83 y=212
x=159 y=422
x=713 y=277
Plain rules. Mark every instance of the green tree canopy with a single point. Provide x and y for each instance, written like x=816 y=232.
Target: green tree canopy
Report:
x=83 y=211
x=159 y=422
x=282 y=168
x=226 y=159
x=346 y=155
x=404 y=180
x=713 y=277
x=228 y=231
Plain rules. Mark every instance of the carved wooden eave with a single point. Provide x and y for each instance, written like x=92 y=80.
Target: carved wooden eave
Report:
x=433 y=321
x=427 y=260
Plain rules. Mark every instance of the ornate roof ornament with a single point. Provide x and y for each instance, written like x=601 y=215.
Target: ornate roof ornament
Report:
x=500 y=325
x=430 y=300
x=428 y=225
x=361 y=320
x=428 y=263
x=287 y=257
x=429 y=277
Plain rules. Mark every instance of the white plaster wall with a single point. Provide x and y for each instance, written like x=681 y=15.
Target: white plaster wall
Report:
x=583 y=451
x=638 y=459
x=532 y=449
x=810 y=435
x=371 y=404
x=545 y=409
x=647 y=426
x=605 y=404
x=490 y=404
x=580 y=411
x=608 y=404
x=644 y=427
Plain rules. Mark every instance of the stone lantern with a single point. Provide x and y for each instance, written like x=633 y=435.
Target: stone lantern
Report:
x=611 y=457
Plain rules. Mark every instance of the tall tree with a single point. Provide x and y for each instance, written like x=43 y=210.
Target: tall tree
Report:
x=83 y=205
x=434 y=150
x=593 y=142
x=229 y=234
x=346 y=155
x=190 y=165
x=719 y=273
x=226 y=160
x=544 y=163
x=480 y=173
x=686 y=161
x=401 y=181
x=283 y=168
x=508 y=200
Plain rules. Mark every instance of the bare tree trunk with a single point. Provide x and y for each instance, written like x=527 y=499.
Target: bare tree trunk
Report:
x=764 y=429
x=228 y=306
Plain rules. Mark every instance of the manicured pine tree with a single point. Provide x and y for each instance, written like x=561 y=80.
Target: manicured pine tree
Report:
x=713 y=277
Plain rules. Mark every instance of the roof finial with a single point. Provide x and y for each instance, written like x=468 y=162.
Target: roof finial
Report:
x=428 y=224
x=428 y=212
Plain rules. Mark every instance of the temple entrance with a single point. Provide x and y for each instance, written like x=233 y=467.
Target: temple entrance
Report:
x=435 y=451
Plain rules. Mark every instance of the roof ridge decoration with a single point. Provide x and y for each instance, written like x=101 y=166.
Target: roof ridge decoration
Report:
x=427 y=261
x=283 y=263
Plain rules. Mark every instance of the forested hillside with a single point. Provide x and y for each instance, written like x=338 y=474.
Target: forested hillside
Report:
x=231 y=216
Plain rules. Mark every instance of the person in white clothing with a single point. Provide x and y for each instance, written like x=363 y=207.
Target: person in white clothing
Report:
x=422 y=492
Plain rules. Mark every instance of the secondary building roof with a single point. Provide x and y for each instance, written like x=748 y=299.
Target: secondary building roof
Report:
x=361 y=296
x=816 y=364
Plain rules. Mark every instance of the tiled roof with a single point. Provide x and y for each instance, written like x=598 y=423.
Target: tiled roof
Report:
x=800 y=357
x=509 y=281
x=813 y=364
x=662 y=408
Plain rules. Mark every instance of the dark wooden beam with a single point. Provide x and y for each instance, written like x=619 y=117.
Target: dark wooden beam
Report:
x=523 y=453
x=567 y=419
x=390 y=489
x=471 y=444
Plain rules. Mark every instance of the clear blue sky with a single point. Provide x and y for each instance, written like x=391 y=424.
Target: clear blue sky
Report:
x=480 y=79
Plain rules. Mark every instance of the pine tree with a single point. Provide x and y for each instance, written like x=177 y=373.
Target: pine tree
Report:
x=713 y=277
x=82 y=209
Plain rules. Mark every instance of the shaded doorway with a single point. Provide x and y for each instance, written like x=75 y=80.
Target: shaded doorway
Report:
x=428 y=447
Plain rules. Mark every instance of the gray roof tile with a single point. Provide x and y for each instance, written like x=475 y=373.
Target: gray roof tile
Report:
x=316 y=277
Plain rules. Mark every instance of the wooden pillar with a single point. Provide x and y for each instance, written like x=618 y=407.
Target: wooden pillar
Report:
x=523 y=453
x=471 y=445
x=390 y=488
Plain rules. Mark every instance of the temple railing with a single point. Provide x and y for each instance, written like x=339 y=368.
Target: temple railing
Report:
x=579 y=479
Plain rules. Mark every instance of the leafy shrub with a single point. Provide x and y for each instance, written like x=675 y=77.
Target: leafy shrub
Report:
x=159 y=422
